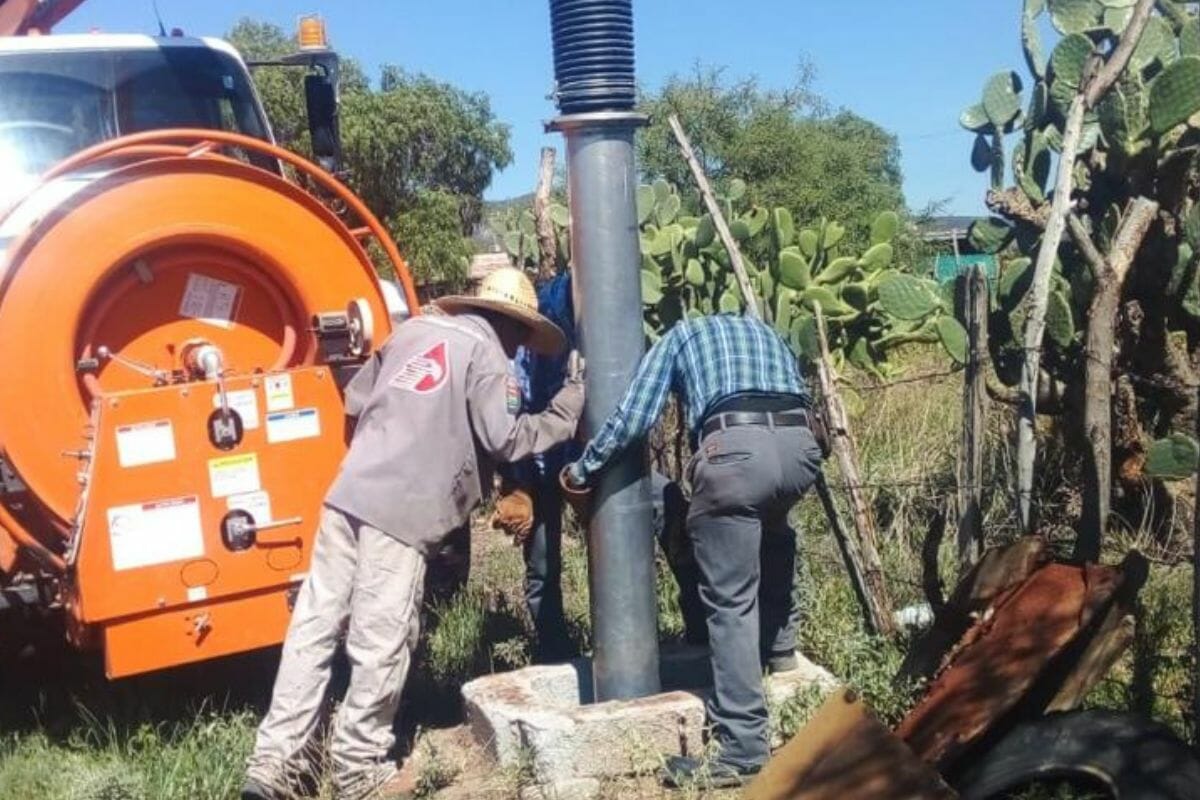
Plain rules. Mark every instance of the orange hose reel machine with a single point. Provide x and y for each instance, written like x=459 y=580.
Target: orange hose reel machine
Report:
x=169 y=408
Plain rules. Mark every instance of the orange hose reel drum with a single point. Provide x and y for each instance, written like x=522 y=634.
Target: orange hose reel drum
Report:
x=130 y=262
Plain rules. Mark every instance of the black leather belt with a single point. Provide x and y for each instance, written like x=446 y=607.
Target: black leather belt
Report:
x=732 y=419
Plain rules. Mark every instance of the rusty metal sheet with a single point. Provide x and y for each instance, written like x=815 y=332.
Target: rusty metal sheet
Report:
x=996 y=573
x=844 y=753
x=1000 y=659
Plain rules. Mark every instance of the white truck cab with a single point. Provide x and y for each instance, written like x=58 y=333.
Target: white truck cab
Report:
x=63 y=93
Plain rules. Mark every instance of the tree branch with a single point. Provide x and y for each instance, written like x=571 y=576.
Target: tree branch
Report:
x=1013 y=204
x=1085 y=245
x=1103 y=80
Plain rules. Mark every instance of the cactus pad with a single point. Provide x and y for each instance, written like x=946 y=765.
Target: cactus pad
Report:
x=559 y=215
x=953 y=337
x=1060 y=323
x=794 y=270
x=1075 y=16
x=706 y=231
x=1158 y=43
x=1069 y=58
x=1031 y=41
x=833 y=234
x=884 y=227
x=737 y=189
x=877 y=257
x=906 y=297
x=667 y=209
x=1175 y=94
x=1001 y=98
x=989 y=235
x=974 y=118
x=651 y=287
x=694 y=273
x=831 y=304
x=729 y=302
x=1172 y=458
x=1189 y=38
x=837 y=270
x=782 y=227
x=807 y=241
x=645 y=203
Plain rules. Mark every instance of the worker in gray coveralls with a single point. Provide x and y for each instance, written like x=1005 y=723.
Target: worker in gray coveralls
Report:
x=747 y=410
x=436 y=408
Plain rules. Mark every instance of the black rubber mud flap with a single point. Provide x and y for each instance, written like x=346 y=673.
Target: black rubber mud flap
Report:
x=1127 y=755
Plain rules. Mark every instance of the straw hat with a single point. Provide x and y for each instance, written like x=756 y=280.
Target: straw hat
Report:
x=509 y=291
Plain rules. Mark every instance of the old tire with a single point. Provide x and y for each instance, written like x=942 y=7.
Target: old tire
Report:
x=1130 y=757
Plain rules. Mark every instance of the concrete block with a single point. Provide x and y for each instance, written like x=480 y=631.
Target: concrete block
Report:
x=546 y=715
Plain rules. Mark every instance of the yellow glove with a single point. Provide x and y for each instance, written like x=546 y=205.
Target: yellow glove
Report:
x=514 y=515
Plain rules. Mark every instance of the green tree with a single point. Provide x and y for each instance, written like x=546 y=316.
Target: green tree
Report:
x=418 y=151
x=784 y=144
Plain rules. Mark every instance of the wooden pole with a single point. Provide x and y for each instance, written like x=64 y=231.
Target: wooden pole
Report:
x=547 y=244
x=1098 y=79
x=970 y=487
x=880 y=606
x=851 y=555
x=1196 y=603
x=714 y=210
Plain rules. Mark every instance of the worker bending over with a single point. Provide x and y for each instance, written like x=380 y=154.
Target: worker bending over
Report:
x=747 y=410
x=436 y=408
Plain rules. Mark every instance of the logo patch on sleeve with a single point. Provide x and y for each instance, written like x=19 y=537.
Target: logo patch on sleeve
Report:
x=512 y=395
x=424 y=373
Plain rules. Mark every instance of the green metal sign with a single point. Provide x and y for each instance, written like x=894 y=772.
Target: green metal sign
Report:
x=948 y=267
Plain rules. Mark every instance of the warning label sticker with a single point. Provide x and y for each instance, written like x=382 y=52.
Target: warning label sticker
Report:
x=256 y=504
x=278 y=389
x=210 y=300
x=145 y=443
x=245 y=403
x=144 y=534
x=424 y=373
x=288 y=426
x=234 y=475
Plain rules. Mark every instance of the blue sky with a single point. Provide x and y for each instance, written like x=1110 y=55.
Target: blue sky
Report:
x=909 y=66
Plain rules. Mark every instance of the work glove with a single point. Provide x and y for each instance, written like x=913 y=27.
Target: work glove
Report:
x=578 y=496
x=514 y=515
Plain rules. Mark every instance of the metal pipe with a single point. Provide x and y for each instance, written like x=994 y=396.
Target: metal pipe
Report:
x=595 y=91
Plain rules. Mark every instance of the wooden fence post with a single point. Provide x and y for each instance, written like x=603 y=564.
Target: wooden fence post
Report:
x=880 y=605
x=970 y=482
x=547 y=245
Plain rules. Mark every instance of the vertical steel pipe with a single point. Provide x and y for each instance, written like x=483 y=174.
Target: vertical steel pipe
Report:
x=593 y=56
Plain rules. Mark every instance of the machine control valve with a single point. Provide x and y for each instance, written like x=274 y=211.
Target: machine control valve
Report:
x=239 y=531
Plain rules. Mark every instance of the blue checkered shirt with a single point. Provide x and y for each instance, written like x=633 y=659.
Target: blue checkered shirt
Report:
x=704 y=360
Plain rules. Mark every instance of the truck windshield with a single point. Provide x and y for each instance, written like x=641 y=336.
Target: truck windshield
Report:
x=55 y=103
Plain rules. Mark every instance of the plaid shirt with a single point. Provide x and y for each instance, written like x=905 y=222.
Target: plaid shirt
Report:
x=705 y=360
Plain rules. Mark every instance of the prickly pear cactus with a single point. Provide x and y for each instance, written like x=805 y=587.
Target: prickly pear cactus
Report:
x=1142 y=139
x=686 y=272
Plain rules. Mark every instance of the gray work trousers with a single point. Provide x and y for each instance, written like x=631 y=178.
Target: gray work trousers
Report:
x=368 y=586
x=745 y=479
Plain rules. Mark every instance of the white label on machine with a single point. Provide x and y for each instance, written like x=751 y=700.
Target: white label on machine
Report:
x=287 y=426
x=234 y=475
x=144 y=534
x=197 y=593
x=256 y=504
x=245 y=403
x=210 y=300
x=278 y=389
x=145 y=443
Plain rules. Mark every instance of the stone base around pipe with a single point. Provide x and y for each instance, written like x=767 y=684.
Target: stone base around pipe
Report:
x=544 y=718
